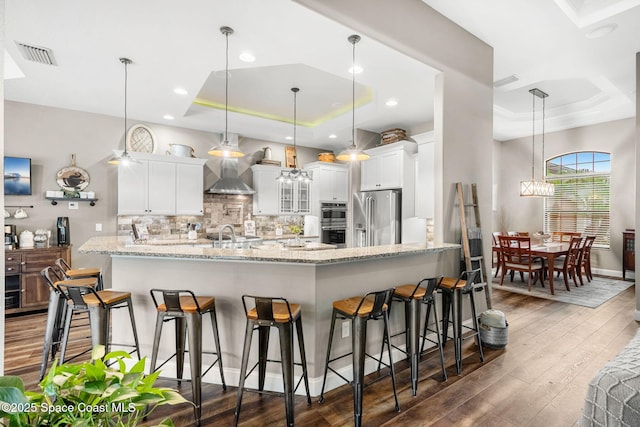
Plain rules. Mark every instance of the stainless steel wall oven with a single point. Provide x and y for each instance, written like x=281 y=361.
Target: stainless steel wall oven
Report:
x=333 y=223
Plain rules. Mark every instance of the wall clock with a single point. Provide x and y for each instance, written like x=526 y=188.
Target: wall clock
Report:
x=141 y=138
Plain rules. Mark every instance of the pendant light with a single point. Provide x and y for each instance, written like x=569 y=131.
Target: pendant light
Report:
x=294 y=174
x=125 y=158
x=225 y=148
x=535 y=188
x=351 y=153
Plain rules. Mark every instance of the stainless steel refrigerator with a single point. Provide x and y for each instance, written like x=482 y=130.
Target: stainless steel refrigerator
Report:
x=377 y=217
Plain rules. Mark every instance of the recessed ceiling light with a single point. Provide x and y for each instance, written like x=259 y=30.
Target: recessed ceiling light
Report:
x=602 y=31
x=168 y=117
x=180 y=91
x=355 y=70
x=333 y=136
x=247 y=57
x=391 y=103
x=288 y=138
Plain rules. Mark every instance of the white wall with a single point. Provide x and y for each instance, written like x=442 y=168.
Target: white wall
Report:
x=526 y=213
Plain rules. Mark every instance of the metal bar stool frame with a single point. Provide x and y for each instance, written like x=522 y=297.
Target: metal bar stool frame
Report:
x=265 y=319
x=80 y=273
x=56 y=313
x=99 y=310
x=414 y=296
x=452 y=303
x=379 y=309
x=187 y=321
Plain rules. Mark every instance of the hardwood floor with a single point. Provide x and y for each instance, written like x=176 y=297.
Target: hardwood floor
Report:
x=539 y=379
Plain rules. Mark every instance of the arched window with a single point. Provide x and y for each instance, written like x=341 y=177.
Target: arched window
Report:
x=581 y=201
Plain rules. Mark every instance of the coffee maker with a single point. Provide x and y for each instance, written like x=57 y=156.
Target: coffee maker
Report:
x=10 y=237
x=64 y=236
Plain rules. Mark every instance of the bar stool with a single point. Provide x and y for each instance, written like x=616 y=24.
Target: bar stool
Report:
x=187 y=311
x=56 y=313
x=413 y=297
x=453 y=291
x=81 y=273
x=371 y=306
x=266 y=313
x=99 y=305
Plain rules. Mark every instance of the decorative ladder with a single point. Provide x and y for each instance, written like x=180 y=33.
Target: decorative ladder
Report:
x=465 y=236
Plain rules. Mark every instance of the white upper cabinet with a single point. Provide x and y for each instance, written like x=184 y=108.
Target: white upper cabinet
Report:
x=330 y=182
x=265 y=199
x=161 y=185
x=392 y=166
x=273 y=197
x=189 y=189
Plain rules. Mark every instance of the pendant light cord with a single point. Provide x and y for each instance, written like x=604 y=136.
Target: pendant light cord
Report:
x=126 y=62
x=544 y=175
x=533 y=137
x=226 y=89
x=295 y=98
x=353 y=94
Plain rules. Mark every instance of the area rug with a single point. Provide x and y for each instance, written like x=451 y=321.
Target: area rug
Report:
x=592 y=294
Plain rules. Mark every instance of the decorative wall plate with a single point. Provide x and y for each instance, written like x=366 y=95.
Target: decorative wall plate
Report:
x=141 y=138
x=72 y=178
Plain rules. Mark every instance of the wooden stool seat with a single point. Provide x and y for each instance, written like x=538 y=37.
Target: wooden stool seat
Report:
x=452 y=283
x=187 y=303
x=82 y=272
x=405 y=291
x=108 y=297
x=89 y=281
x=350 y=305
x=280 y=312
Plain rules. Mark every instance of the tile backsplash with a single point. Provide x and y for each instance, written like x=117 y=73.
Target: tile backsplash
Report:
x=219 y=209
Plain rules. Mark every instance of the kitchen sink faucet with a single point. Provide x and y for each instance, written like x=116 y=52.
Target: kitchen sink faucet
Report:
x=233 y=233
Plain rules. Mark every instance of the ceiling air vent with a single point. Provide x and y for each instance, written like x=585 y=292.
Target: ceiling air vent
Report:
x=505 y=81
x=41 y=55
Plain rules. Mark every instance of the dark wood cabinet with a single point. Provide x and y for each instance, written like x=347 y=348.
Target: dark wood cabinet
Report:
x=628 y=251
x=25 y=290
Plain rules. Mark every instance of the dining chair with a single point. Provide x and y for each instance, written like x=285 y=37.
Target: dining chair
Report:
x=584 y=260
x=495 y=251
x=516 y=256
x=569 y=265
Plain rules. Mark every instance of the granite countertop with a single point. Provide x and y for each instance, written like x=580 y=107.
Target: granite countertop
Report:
x=122 y=246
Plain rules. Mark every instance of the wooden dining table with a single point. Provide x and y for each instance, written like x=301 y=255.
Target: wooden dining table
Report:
x=550 y=251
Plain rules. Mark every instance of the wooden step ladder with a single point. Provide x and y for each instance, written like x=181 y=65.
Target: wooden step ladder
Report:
x=468 y=259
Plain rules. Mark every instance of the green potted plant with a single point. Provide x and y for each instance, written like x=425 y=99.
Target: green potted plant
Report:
x=86 y=394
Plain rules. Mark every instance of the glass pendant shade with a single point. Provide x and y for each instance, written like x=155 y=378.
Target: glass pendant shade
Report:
x=226 y=149
x=125 y=158
x=534 y=188
x=352 y=154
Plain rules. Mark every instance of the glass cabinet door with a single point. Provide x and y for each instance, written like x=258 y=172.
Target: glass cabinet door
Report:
x=303 y=205
x=286 y=197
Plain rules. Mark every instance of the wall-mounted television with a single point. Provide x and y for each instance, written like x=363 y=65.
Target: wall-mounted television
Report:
x=17 y=176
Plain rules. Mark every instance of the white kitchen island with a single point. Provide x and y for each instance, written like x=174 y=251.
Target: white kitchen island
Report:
x=313 y=279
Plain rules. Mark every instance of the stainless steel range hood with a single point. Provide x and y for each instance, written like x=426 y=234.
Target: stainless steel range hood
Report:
x=230 y=182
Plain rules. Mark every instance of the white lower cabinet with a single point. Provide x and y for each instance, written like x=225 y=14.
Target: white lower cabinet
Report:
x=161 y=185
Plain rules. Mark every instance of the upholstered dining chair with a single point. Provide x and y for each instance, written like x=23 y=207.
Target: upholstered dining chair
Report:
x=516 y=256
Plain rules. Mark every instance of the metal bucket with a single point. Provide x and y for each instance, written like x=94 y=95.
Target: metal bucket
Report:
x=493 y=329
